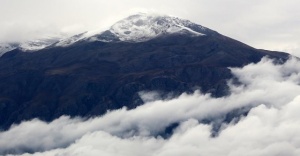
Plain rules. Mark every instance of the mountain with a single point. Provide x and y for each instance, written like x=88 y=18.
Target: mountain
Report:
x=91 y=73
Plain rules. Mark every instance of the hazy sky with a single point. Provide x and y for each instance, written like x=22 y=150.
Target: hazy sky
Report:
x=267 y=24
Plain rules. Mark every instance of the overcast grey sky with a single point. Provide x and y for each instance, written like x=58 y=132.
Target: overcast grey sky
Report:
x=267 y=24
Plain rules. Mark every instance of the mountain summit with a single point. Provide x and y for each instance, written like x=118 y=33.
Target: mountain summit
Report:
x=143 y=27
x=135 y=28
x=140 y=28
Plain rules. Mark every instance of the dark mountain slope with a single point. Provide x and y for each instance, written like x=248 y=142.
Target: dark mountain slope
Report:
x=89 y=78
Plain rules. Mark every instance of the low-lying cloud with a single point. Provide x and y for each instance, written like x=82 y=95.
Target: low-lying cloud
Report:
x=272 y=126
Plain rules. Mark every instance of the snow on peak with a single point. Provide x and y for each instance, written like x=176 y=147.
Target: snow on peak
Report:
x=37 y=44
x=142 y=27
x=5 y=47
x=69 y=41
x=28 y=46
x=136 y=28
x=139 y=28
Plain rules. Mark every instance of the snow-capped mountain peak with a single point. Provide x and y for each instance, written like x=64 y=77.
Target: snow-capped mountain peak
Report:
x=139 y=28
x=142 y=27
x=136 y=28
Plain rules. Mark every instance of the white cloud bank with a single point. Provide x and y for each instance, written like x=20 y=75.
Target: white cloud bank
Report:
x=271 y=128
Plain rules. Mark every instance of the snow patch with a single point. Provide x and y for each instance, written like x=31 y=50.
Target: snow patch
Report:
x=35 y=45
x=69 y=41
x=139 y=28
x=29 y=46
x=136 y=28
x=143 y=27
x=6 y=47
